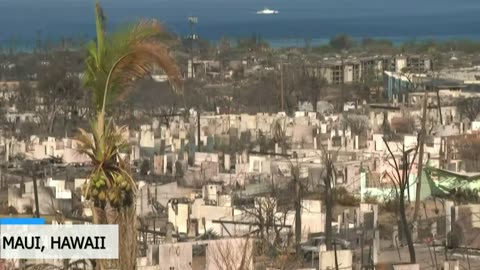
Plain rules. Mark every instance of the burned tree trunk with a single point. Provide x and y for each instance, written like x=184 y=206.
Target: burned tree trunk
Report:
x=328 y=181
x=400 y=181
x=298 y=210
x=406 y=227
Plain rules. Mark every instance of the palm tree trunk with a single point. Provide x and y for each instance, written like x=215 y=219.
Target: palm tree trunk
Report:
x=126 y=219
x=99 y=217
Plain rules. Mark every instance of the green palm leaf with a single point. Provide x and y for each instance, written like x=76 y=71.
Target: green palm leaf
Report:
x=113 y=63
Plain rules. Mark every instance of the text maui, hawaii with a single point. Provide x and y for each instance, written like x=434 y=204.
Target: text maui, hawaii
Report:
x=56 y=242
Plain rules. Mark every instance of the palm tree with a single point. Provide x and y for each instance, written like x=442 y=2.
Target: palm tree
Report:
x=113 y=63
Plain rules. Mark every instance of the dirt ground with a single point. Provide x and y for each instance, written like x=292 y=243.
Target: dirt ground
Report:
x=428 y=258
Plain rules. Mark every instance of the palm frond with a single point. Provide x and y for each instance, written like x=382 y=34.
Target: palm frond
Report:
x=85 y=139
x=100 y=27
x=140 y=46
x=144 y=58
x=103 y=148
x=42 y=266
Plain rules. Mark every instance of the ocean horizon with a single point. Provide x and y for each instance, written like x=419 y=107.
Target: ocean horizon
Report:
x=318 y=20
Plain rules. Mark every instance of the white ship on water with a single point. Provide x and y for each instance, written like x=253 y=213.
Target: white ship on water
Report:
x=267 y=11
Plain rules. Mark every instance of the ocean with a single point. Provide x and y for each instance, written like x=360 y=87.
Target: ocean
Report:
x=297 y=20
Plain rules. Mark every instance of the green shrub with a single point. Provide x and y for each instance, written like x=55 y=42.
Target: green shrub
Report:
x=345 y=198
x=369 y=198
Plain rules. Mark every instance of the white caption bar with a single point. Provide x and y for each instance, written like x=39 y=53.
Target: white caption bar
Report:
x=59 y=242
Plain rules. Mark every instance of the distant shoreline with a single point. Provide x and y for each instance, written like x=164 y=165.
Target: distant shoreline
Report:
x=23 y=45
x=397 y=41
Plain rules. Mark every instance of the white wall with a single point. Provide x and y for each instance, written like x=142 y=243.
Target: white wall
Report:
x=179 y=219
x=178 y=256
x=258 y=164
x=327 y=259
x=311 y=206
x=400 y=63
x=406 y=267
x=475 y=125
x=202 y=157
x=147 y=138
x=59 y=189
x=210 y=213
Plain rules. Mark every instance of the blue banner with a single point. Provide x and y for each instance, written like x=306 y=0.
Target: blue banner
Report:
x=22 y=221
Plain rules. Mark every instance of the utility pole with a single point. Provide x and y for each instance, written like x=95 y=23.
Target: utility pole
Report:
x=328 y=181
x=35 y=190
x=342 y=84
x=434 y=60
x=405 y=173
x=38 y=42
x=156 y=215
x=281 y=88
x=421 y=141
x=342 y=105
x=198 y=130
x=335 y=253
x=192 y=20
x=13 y=45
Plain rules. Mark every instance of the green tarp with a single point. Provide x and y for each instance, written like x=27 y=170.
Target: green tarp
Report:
x=446 y=181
